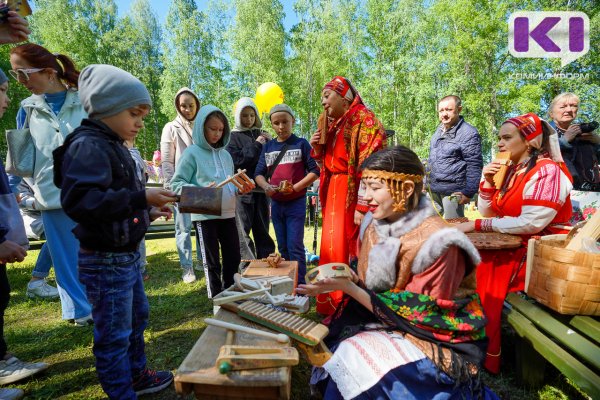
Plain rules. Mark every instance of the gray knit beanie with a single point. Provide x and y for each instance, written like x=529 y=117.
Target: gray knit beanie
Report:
x=3 y=77
x=106 y=90
x=281 y=108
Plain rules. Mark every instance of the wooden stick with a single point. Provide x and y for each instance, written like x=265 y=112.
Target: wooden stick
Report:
x=217 y=301
x=279 y=337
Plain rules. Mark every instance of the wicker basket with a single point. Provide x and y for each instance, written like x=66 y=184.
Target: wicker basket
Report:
x=567 y=281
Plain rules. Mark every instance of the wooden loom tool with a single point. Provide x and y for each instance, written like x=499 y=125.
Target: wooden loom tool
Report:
x=307 y=334
x=502 y=158
x=235 y=358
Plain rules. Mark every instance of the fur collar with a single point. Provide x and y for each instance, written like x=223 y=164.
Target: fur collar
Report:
x=382 y=270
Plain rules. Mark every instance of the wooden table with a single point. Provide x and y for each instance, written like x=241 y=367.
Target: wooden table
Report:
x=198 y=373
x=262 y=268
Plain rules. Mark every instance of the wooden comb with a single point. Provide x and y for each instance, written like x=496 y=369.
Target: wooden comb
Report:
x=502 y=158
x=298 y=328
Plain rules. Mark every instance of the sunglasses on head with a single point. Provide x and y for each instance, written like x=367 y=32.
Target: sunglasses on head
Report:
x=22 y=74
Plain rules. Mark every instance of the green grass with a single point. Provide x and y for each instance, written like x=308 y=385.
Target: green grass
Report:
x=35 y=332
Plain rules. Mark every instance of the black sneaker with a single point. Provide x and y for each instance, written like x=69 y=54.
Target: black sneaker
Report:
x=150 y=381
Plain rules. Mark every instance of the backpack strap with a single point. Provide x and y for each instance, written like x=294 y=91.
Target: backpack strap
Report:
x=276 y=163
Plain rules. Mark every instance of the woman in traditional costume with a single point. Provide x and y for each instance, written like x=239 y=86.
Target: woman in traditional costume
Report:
x=410 y=325
x=533 y=200
x=350 y=133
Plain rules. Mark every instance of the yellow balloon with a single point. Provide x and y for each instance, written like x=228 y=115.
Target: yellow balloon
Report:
x=267 y=95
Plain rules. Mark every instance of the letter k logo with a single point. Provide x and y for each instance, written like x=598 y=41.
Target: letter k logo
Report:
x=539 y=34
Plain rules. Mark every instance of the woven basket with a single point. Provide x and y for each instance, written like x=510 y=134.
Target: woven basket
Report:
x=567 y=281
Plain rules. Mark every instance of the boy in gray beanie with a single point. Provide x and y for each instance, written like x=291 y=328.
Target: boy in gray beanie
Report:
x=100 y=191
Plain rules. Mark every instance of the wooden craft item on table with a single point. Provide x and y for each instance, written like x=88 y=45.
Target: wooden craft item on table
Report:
x=199 y=374
x=281 y=338
x=260 y=270
x=331 y=270
x=240 y=180
x=275 y=284
x=273 y=260
x=591 y=229
x=200 y=200
x=235 y=358
x=298 y=328
x=307 y=334
x=502 y=158
x=229 y=296
x=494 y=240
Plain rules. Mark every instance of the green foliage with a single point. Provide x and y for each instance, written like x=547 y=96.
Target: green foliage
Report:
x=401 y=55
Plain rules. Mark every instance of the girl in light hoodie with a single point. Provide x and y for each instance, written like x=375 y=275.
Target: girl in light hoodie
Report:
x=201 y=164
x=176 y=137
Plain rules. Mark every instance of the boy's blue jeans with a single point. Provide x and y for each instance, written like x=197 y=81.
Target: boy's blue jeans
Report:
x=115 y=289
x=288 y=221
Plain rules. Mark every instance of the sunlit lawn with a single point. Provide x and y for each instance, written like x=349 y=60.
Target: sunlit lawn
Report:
x=35 y=332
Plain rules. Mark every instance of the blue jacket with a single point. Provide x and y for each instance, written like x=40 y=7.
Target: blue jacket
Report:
x=455 y=160
x=11 y=222
x=201 y=164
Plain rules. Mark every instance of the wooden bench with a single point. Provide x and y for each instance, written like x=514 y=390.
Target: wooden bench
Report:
x=199 y=374
x=570 y=343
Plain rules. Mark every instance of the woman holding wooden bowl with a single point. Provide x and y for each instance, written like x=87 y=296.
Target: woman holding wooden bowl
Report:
x=533 y=198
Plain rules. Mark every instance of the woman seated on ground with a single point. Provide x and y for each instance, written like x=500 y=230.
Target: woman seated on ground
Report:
x=409 y=325
x=533 y=200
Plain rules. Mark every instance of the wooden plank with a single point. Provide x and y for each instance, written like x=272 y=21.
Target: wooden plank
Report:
x=583 y=377
x=573 y=340
x=199 y=369
x=589 y=326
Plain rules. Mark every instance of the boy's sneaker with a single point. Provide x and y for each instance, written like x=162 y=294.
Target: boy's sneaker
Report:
x=189 y=276
x=12 y=369
x=145 y=276
x=83 y=321
x=41 y=289
x=11 y=394
x=150 y=381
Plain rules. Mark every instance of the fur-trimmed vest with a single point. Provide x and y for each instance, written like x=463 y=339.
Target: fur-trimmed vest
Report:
x=392 y=253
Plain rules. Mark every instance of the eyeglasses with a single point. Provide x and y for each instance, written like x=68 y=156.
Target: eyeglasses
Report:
x=22 y=74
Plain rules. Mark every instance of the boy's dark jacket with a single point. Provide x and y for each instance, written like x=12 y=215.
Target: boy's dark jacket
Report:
x=99 y=189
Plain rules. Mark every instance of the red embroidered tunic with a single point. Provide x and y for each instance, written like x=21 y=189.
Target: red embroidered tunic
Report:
x=352 y=138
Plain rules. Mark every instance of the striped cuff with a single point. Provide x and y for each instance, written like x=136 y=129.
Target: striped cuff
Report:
x=483 y=225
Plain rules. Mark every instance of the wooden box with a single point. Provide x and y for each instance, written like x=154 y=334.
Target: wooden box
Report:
x=198 y=373
x=262 y=268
